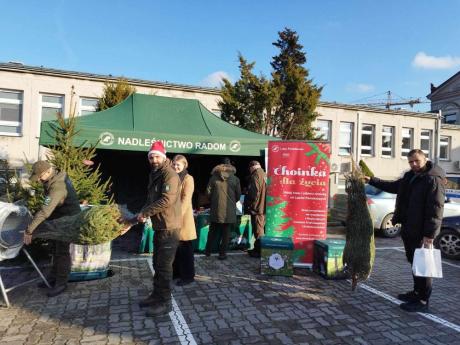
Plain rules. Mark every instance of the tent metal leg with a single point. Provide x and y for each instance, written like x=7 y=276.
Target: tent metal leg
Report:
x=36 y=267
x=5 y=296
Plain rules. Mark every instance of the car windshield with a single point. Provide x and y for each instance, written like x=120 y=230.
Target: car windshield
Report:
x=370 y=190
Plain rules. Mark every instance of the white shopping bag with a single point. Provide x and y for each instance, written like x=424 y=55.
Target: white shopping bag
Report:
x=427 y=263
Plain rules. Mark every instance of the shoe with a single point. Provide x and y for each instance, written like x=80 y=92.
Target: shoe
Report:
x=150 y=301
x=253 y=254
x=415 y=307
x=183 y=282
x=51 y=281
x=159 y=309
x=222 y=256
x=410 y=296
x=57 y=290
x=207 y=254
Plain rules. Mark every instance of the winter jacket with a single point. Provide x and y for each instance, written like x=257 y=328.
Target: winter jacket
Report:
x=188 y=230
x=60 y=200
x=163 y=204
x=254 y=203
x=419 y=201
x=224 y=191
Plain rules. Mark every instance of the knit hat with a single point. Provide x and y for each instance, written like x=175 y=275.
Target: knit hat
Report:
x=158 y=149
x=38 y=169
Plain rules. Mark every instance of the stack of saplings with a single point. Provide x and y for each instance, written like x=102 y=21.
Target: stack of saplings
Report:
x=359 y=252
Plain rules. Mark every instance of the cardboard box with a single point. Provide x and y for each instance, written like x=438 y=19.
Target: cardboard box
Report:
x=328 y=258
x=276 y=256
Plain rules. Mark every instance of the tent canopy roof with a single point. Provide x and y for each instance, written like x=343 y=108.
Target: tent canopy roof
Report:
x=184 y=125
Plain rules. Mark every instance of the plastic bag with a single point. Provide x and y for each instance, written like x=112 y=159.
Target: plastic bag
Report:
x=427 y=263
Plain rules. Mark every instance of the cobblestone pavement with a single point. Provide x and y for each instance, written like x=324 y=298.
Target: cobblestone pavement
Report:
x=231 y=303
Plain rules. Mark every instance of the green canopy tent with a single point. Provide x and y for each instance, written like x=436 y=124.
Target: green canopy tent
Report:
x=184 y=125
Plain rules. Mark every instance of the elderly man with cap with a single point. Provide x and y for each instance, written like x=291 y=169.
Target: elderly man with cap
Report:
x=60 y=200
x=255 y=204
x=163 y=206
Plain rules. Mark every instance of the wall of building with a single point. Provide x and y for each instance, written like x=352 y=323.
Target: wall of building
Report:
x=18 y=148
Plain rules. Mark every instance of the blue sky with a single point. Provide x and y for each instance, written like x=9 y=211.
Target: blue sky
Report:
x=355 y=49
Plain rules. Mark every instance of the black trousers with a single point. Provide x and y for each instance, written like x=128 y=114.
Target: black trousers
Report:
x=422 y=285
x=61 y=262
x=214 y=230
x=257 y=224
x=165 y=246
x=184 y=263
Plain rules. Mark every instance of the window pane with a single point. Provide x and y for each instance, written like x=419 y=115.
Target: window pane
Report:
x=11 y=95
x=50 y=113
x=323 y=129
x=367 y=127
x=10 y=112
x=52 y=99
x=89 y=102
x=10 y=129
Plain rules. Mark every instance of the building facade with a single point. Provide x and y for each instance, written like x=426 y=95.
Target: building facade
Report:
x=446 y=97
x=29 y=95
x=381 y=137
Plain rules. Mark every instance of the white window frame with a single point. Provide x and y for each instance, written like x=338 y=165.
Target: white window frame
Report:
x=349 y=132
x=12 y=123
x=428 y=137
x=87 y=107
x=445 y=143
x=370 y=132
x=324 y=129
x=411 y=142
x=49 y=105
x=390 y=149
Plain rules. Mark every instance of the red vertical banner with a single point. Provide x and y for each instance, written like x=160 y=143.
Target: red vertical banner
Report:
x=297 y=194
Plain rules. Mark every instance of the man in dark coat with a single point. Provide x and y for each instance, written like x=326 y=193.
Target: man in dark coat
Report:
x=254 y=204
x=60 y=200
x=163 y=206
x=419 y=208
x=224 y=190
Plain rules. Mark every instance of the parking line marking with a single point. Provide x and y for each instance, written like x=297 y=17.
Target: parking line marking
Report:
x=398 y=302
x=401 y=249
x=180 y=325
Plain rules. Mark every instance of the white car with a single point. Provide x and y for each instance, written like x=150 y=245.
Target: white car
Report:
x=381 y=206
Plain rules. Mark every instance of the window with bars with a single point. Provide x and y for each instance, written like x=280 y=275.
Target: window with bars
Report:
x=11 y=112
x=426 y=141
x=88 y=105
x=367 y=140
x=407 y=141
x=346 y=138
x=388 y=141
x=444 y=148
x=323 y=129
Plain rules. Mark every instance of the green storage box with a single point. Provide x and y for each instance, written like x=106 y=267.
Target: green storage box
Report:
x=327 y=259
x=276 y=256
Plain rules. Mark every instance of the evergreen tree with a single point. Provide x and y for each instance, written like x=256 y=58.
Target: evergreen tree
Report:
x=249 y=103
x=114 y=93
x=76 y=161
x=298 y=95
x=283 y=105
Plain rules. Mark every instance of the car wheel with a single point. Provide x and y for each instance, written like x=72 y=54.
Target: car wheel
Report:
x=448 y=241
x=388 y=229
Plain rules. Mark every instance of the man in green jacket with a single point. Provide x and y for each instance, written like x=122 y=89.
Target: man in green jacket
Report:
x=163 y=206
x=254 y=204
x=60 y=200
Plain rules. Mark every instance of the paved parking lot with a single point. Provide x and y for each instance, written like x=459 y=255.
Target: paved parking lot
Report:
x=231 y=303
